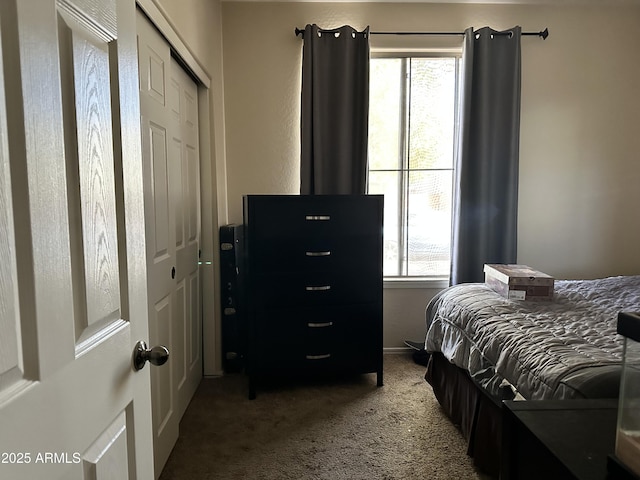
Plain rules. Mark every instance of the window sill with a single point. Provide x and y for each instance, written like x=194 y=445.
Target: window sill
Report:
x=416 y=282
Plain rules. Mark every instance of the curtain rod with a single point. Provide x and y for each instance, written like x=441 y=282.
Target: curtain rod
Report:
x=542 y=34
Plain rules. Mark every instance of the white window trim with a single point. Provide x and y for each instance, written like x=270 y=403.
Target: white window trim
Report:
x=425 y=283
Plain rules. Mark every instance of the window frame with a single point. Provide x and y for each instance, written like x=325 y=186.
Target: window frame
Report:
x=420 y=281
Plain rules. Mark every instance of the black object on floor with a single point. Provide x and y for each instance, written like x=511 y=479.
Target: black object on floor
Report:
x=234 y=328
x=414 y=345
x=420 y=355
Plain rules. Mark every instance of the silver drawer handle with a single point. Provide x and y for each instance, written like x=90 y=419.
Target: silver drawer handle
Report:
x=318 y=357
x=318 y=254
x=319 y=325
x=318 y=288
x=317 y=217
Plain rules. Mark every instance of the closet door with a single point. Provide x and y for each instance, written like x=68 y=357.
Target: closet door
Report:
x=169 y=118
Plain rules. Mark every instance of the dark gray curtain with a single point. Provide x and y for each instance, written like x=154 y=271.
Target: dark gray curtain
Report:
x=335 y=111
x=486 y=177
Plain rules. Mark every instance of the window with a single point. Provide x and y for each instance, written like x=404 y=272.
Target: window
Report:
x=412 y=128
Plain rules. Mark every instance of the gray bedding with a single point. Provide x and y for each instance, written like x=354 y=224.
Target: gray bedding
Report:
x=566 y=348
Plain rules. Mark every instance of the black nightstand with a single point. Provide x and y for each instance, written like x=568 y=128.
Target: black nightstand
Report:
x=559 y=439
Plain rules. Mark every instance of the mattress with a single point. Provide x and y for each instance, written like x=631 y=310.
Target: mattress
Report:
x=564 y=349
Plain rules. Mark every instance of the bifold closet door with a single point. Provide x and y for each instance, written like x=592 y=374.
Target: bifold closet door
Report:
x=169 y=117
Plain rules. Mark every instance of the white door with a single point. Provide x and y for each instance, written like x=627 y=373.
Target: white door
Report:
x=185 y=159
x=73 y=283
x=169 y=121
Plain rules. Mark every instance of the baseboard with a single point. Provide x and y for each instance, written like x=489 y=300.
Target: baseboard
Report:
x=396 y=350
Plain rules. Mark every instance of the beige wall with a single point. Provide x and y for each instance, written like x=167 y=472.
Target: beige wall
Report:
x=579 y=171
x=579 y=143
x=579 y=168
x=196 y=22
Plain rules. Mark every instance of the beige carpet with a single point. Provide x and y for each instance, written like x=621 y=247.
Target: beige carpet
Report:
x=341 y=429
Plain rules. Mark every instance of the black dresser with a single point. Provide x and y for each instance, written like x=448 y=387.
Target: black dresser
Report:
x=314 y=285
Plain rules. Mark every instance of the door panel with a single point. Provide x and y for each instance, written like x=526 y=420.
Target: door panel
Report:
x=158 y=165
x=70 y=272
x=85 y=63
x=180 y=335
x=104 y=458
x=178 y=205
x=161 y=377
x=153 y=82
x=193 y=191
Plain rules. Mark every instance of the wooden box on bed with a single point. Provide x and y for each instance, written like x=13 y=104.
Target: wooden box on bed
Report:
x=519 y=282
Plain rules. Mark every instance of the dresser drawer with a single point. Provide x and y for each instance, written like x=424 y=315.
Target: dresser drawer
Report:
x=313 y=216
x=315 y=289
x=340 y=338
x=359 y=253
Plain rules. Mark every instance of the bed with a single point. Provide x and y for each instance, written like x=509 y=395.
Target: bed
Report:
x=485 y=348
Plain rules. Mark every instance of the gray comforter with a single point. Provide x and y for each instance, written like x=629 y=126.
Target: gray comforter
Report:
x=567 y=348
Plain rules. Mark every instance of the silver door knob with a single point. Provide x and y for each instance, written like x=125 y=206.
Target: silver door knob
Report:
x=157 y=355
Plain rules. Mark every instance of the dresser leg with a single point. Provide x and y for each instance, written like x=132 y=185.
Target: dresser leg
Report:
x=252 y=388
x=379 y=383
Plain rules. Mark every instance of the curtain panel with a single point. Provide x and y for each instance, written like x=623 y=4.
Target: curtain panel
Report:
x=485 y=210
x=334 y=111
